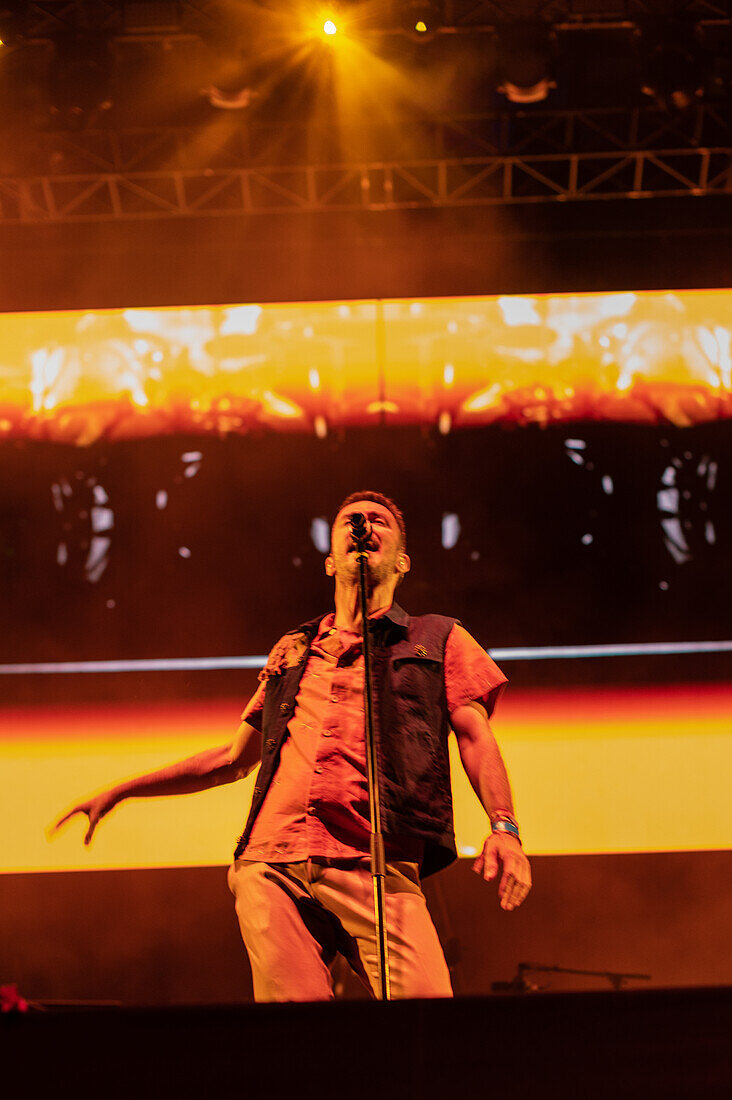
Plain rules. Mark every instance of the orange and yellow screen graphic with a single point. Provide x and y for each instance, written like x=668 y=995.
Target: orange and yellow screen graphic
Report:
x=641 y=357
x=594 y=770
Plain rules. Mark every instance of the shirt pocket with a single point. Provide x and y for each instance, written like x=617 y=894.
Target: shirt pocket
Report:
x=417 y=679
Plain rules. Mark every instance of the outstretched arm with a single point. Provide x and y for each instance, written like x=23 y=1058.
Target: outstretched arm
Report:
x=486 y=771
x=210 y=768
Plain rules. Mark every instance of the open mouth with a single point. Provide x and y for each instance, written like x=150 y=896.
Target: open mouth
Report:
x=371 y=544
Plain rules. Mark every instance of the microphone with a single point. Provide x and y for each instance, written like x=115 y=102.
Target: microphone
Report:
x=361 y=529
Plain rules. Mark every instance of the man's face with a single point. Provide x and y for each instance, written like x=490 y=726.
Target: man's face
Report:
x=386 y=557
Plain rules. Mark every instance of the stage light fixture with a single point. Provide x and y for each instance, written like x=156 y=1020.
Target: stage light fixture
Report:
x=420 y=21
x=330 y=28
x=525 y=61
x=672 y=65
x=226 y=100
x=79 y=80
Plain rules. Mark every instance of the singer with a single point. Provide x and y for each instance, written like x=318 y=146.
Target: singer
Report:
x=300 y=874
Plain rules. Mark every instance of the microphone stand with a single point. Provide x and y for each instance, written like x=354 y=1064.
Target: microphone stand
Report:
x=361 y=534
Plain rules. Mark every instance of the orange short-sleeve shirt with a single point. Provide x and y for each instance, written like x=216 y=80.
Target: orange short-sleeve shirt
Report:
x=317 y=803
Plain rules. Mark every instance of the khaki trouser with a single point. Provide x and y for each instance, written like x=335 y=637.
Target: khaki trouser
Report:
x=296 y=917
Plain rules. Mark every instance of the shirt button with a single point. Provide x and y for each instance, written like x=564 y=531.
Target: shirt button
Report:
x=284 y=707
x=311 y=809
x=334 y=697
x=319 y=768
x=270 y=744
x=327 y=733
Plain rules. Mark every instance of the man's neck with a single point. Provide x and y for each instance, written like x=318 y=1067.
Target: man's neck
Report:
x=347 y=604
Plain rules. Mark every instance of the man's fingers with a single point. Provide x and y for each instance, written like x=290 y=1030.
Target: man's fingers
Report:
x=83 y=808
x=505 y=888
x=515 y=880
x=515 y=883
x=490 y=863
x=513 y=895
x=94 y=818
x=62 y=820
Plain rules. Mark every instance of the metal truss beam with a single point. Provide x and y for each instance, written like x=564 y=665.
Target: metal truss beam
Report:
x=241 y=142
x=379 y=186
x=465 y=160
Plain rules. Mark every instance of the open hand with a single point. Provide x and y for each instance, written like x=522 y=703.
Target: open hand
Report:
x=501 y=850
x=94 y=808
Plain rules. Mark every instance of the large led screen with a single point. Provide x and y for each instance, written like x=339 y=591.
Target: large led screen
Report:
x=168 y=477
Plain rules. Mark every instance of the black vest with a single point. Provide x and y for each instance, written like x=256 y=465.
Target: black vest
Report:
x=411 y=725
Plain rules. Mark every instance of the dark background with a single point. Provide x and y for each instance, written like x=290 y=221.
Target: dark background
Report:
x=520 y=573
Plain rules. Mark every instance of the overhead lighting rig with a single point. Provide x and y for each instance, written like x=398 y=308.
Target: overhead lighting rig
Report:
x=80 y=80
x=161 y=151
x=673 y=63
x=526 y=61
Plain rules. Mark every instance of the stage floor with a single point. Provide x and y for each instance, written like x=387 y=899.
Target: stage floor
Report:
x=652 y=1043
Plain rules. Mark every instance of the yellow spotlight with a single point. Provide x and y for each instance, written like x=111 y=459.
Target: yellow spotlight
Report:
x=329 y=27
x=420 y=26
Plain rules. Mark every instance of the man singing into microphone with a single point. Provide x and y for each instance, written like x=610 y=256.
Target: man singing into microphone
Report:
x=301 y=873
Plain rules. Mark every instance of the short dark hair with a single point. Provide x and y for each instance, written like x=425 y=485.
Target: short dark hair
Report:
x=378 y=498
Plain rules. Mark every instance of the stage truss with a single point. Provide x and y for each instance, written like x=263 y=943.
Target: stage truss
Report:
x=504 y=156
x=551 y=156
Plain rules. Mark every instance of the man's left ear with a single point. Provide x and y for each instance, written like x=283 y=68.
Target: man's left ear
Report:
x=404 y=564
